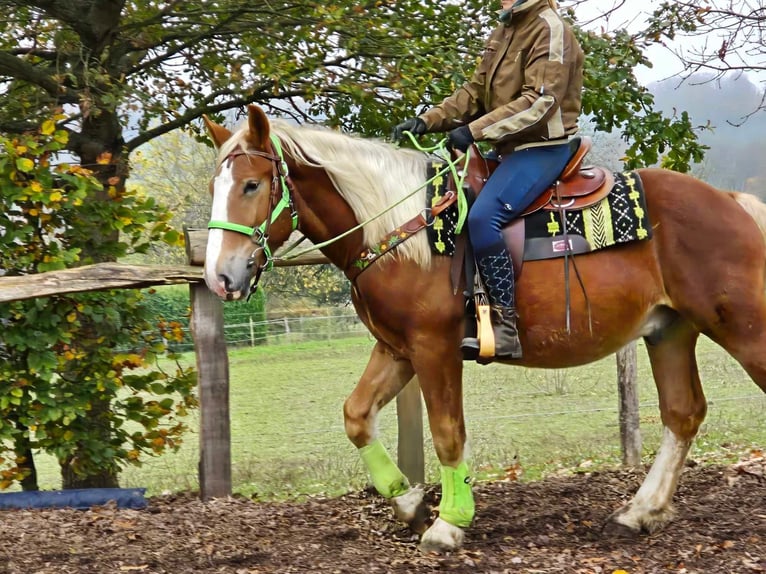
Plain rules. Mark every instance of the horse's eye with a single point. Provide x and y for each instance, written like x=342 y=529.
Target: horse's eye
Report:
x=251 y=186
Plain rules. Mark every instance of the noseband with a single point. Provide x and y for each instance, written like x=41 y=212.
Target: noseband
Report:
x=280 y=199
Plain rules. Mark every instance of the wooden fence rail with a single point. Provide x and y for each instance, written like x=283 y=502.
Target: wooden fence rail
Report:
x=213 y=366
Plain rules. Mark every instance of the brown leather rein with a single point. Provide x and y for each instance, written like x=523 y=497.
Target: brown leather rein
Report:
x=399 y=235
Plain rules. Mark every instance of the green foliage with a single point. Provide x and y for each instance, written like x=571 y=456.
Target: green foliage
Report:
x=613 y=99
x=65 y=357
x=315 y=286
x=175 y=170
x=170 y=306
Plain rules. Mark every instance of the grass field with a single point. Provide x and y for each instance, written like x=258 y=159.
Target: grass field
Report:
x=288 y=439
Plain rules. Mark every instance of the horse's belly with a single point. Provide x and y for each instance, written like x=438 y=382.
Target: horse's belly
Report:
x=620 y=288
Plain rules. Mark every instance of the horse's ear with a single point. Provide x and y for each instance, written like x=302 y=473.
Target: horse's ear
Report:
x=259 y=128
x=218 y=133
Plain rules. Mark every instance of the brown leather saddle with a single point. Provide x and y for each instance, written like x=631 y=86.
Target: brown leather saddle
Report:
x=577 y=187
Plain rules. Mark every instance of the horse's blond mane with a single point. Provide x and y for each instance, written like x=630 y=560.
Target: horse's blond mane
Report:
x=369 y=174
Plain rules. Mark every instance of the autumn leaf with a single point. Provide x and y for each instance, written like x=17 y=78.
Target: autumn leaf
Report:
x=48 y=127
x=25 y=164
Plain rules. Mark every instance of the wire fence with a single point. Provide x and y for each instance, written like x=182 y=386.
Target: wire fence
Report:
x=288 y=432
x=242 y=330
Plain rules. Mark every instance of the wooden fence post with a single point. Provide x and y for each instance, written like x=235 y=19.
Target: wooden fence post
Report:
x=627 y=385
x=213 y=385
x=409 y=410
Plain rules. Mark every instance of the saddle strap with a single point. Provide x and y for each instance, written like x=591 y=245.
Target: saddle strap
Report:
x=398 y=236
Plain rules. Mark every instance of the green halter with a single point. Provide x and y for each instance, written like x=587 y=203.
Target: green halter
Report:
x=260 y=235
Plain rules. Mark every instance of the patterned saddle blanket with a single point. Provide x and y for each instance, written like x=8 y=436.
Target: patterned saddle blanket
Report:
x=619 y=218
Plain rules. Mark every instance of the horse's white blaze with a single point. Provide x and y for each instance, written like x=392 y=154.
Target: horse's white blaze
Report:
x=651 y=507
x=222 y=185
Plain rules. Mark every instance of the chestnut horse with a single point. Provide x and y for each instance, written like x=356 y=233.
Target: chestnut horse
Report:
x=702 y=272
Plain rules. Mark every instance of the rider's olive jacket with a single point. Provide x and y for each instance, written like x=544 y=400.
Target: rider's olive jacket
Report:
x=527 y=86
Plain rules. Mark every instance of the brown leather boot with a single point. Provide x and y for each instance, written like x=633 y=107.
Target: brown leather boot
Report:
x=496 y=271
x=507 y=343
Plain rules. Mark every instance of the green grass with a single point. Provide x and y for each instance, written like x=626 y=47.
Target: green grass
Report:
x=287 y=423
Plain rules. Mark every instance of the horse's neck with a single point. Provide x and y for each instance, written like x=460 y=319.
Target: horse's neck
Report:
x=323 y=216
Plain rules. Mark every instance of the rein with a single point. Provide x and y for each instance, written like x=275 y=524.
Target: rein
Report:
x=278 y=203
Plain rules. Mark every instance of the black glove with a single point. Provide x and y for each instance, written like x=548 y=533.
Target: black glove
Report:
x=414 y=125
x=460 y=138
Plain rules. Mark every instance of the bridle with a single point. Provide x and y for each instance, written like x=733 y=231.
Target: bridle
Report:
x=280 y=199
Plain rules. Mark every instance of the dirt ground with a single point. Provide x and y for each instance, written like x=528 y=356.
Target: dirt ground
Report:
x=551 y=526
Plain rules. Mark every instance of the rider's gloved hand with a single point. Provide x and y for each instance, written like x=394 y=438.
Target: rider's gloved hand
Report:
x=460 y=138
x=414 y=125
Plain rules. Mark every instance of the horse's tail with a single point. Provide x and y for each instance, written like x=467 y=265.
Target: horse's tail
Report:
x=754 y=207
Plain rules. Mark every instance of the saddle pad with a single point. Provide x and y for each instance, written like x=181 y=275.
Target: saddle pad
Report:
x=619 y=218
x=441 y=235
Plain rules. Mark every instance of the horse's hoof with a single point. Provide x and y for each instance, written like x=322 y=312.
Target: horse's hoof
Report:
x=412 y=510
x=633 y=520
x=614 y=529
x=441 y=537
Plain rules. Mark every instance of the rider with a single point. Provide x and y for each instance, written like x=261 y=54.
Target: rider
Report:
x=524 y=97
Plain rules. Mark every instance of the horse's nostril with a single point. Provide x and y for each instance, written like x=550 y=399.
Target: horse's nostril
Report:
x=226 y=280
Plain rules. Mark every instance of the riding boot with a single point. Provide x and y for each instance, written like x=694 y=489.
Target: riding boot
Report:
x=496 y=269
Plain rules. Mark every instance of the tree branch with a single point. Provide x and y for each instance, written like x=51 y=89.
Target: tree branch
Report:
x=15 y=67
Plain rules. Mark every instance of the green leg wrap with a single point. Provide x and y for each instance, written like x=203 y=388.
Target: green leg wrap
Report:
x=386 y=476
x=456 y=506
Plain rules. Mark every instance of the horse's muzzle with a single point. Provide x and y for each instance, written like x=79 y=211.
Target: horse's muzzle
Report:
x=228 y=284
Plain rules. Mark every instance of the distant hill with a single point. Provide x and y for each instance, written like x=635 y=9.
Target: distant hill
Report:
x=733 y=107
x=737 y=157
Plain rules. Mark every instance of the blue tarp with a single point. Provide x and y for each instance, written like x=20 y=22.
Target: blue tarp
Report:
x=83 y=498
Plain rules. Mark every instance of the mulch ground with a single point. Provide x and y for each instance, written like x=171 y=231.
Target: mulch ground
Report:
x=550 y=526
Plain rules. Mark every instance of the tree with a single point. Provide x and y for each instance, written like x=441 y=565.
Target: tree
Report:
x=128 y=72
x=116 y=74
x=727 y=37
x=175 y=170
x=78 y=376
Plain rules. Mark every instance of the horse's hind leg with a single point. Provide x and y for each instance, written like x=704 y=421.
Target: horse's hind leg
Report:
x=683 y=408
x=744 y=336
x=382 y=380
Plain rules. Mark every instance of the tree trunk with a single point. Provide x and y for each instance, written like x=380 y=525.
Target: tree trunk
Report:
x=103 y=478
x=630 y=430
x=101 y=134
x=23 y=452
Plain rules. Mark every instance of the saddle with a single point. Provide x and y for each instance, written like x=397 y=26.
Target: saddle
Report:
x=577 y=187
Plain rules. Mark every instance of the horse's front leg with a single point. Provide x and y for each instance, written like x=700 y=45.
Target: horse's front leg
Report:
x=440 y=369
x=382 y=380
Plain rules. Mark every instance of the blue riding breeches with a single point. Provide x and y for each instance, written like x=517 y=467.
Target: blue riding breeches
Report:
x=519 y=179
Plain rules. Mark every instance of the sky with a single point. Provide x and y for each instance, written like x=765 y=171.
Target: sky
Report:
x=632 y=15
